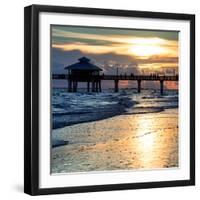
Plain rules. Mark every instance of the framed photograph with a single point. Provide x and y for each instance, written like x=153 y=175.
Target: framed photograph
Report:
x=109 y=100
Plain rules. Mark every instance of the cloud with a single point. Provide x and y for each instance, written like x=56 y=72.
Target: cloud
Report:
x=125 y=42
x=103 y=31
x=157 y=59
x=111 y=61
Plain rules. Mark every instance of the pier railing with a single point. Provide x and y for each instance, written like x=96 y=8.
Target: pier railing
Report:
x=120 y=77
x=140 y=77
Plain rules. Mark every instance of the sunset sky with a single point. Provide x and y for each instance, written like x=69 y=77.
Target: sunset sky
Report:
x=131 y=51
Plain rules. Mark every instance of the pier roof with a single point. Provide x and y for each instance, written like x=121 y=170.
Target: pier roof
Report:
x=84 y=64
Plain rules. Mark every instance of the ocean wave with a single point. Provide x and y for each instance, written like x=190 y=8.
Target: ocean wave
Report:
x=144 y=110
x=70 y=113
x=74 y=108
x=100 y=112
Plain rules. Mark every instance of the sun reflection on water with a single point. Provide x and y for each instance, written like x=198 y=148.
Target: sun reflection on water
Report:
x=146 y=139
x=155 y=143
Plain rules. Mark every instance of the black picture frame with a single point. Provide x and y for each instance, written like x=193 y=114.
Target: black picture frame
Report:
x=31 y=98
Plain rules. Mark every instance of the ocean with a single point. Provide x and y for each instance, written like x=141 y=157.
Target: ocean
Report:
x=80 y=107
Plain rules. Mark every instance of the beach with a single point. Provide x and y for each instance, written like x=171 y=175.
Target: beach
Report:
x=128 y=141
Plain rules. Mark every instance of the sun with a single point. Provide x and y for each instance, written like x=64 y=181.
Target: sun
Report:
x=146 y=47
x=146 y=50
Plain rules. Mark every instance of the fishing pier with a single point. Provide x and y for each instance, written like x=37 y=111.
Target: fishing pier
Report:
x=84 y=71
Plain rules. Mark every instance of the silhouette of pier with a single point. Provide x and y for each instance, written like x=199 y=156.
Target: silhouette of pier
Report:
x=96 y=80
x=85 y=71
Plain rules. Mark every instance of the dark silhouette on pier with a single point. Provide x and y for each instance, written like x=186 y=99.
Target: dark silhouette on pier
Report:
x=84 y=71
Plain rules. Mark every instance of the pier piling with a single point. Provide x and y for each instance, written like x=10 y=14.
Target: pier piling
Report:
x=93 y=86
x=88 y=86
x=139 y=86
x=116 y=85
x=69 y=85
x=161 y=87
x=99 y=86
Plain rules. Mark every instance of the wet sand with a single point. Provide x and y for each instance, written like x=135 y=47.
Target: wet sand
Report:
x=124 y=142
